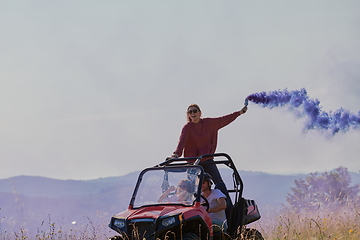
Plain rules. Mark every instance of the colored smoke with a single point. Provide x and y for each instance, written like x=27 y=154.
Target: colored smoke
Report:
x=299 y=102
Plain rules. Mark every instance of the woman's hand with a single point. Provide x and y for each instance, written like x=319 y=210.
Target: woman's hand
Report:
x=243 y=110
x=166 y=193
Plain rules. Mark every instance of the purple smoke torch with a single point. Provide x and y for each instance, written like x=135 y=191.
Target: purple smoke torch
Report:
x=246 y=102
x=298 y=101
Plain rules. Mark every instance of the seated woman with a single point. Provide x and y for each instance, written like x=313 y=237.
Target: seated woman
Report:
x=182 y=193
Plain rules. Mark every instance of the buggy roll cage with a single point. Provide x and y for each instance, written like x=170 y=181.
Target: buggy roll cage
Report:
x=237 y=181
x=240 y=212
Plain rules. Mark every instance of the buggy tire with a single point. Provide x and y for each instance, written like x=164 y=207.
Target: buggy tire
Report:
x=116 y=238
x=190 y=236
x=251 y=234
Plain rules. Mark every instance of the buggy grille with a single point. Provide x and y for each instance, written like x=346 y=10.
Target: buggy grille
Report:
x=142 y=228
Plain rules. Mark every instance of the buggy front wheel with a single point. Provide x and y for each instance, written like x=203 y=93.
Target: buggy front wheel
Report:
x=116 y=238
x=191 y=236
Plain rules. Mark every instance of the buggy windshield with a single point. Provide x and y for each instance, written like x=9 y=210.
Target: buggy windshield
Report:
x=170 y=185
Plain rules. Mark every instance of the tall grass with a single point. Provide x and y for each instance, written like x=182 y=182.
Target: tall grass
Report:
x=323 y=223
x=49 y=229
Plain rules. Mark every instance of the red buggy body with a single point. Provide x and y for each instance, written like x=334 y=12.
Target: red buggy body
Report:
x=148 y=218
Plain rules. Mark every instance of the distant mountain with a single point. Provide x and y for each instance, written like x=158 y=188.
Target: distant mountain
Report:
x=257 y=185
x=31 y=200
x=268 y=190
x=48 y=187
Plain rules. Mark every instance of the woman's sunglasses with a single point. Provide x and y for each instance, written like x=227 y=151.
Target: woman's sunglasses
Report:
x=183 y=186
x=193 y=111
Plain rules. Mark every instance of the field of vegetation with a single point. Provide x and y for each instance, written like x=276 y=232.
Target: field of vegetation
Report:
x=322 y=206
x=342 y=224
x=48 y=229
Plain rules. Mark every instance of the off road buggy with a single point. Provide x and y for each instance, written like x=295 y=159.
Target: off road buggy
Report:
x=147 y=218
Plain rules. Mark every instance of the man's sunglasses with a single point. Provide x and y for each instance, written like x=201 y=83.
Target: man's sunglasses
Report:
x=193 y=111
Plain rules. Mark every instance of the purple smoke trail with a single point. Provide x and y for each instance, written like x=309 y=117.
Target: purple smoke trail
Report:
x=340 y=120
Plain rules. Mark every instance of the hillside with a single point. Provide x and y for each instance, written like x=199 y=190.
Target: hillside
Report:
x=31 y=200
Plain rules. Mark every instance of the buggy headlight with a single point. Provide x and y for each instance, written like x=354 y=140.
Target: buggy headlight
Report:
x=119 y=223
x=168 y=221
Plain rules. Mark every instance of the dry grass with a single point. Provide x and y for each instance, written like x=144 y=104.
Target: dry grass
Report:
x=85 y=229
x=343 y=223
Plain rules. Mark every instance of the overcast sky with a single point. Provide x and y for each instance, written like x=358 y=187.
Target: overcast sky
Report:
x=92 y=89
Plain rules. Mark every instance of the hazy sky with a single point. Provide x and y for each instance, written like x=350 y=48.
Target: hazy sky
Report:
x=92 y=89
